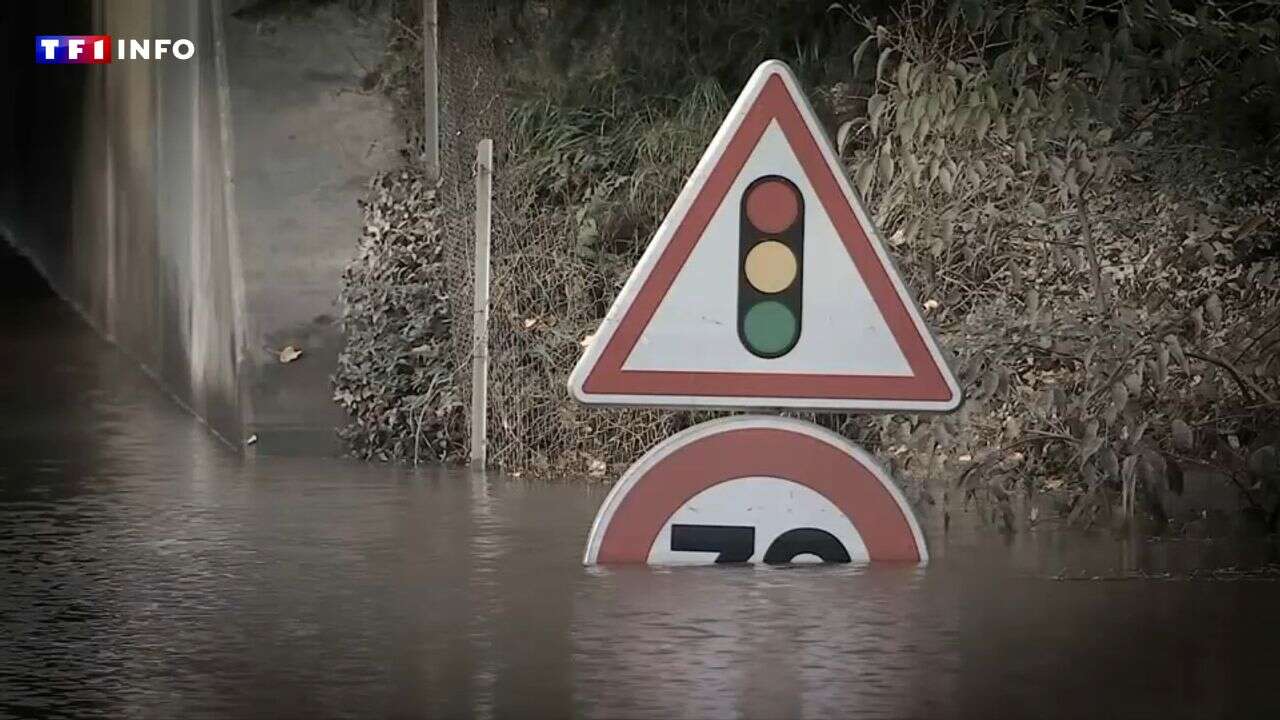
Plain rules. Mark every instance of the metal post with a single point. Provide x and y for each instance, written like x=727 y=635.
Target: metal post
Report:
x=431 y=91
x=480 y=318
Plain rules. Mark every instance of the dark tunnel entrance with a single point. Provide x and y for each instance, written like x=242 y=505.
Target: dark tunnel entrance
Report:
x=40 y=126
x=20 y=283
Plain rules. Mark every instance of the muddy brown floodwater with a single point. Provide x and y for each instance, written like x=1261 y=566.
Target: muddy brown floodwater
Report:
x=146 y=571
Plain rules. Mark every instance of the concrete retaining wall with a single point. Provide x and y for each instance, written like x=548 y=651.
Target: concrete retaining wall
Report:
x=200 y=212
x=116 y=185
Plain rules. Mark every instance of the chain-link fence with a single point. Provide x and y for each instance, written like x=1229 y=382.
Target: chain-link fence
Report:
x=544 y=298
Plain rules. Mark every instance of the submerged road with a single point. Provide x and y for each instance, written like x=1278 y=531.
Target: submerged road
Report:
x=147 y=571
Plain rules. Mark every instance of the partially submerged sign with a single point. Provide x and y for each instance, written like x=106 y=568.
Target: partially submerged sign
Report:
x=767 y=285
x=755 y=489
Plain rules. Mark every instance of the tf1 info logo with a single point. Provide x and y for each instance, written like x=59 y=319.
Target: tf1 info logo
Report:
x=97 y=49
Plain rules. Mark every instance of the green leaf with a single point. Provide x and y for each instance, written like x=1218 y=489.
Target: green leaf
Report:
x=866 y=173
x=1133 y=382
x=1175 y=349
x=880 y=64
x=1213 y=308
x=984 y=122
x=862 y=50
x=912 y=229
x=886 y=168
x=912 y=166
x=1136 y=433
x=916 y=108
x=874 y=105
x=1090 y=443
x=842 y=135
x=1119 y=397
x=1057 y=169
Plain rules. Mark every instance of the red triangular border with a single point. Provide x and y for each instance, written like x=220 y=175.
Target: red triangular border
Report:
x=926 y=384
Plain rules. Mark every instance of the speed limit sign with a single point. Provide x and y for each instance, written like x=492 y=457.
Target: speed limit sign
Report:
x=755 y=489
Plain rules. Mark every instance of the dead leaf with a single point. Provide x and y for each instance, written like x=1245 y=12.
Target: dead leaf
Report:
x=1182 y=436
x=1213 y=308
x=1012 y=427
x=289 y=354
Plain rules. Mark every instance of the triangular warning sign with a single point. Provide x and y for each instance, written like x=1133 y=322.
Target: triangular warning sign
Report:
x=766 y=285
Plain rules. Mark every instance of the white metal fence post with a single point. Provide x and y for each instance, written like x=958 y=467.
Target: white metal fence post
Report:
x=431 y=91
x=480 y=318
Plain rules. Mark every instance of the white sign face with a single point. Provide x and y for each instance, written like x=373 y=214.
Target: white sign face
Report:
x=842 y=330
x=774 y=514
x=766 y=285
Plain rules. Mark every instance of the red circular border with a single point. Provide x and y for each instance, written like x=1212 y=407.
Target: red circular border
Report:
x=758 y=452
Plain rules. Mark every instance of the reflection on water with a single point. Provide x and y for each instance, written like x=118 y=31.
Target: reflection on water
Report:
x=144 y=570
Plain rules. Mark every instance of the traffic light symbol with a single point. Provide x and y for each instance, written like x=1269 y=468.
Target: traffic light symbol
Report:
x=770 y=266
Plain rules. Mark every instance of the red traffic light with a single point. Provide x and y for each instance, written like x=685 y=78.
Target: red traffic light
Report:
x=772 y=206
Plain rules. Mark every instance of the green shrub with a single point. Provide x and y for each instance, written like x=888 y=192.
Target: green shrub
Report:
x=1084 y=198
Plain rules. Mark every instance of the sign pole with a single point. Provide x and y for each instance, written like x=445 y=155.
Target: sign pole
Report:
x=480 y=318
x=431 y=92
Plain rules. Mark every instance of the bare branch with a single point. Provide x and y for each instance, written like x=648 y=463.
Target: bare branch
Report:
x=1248 y=388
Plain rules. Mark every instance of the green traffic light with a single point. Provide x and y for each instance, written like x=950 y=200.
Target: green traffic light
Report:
x=770 y=329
